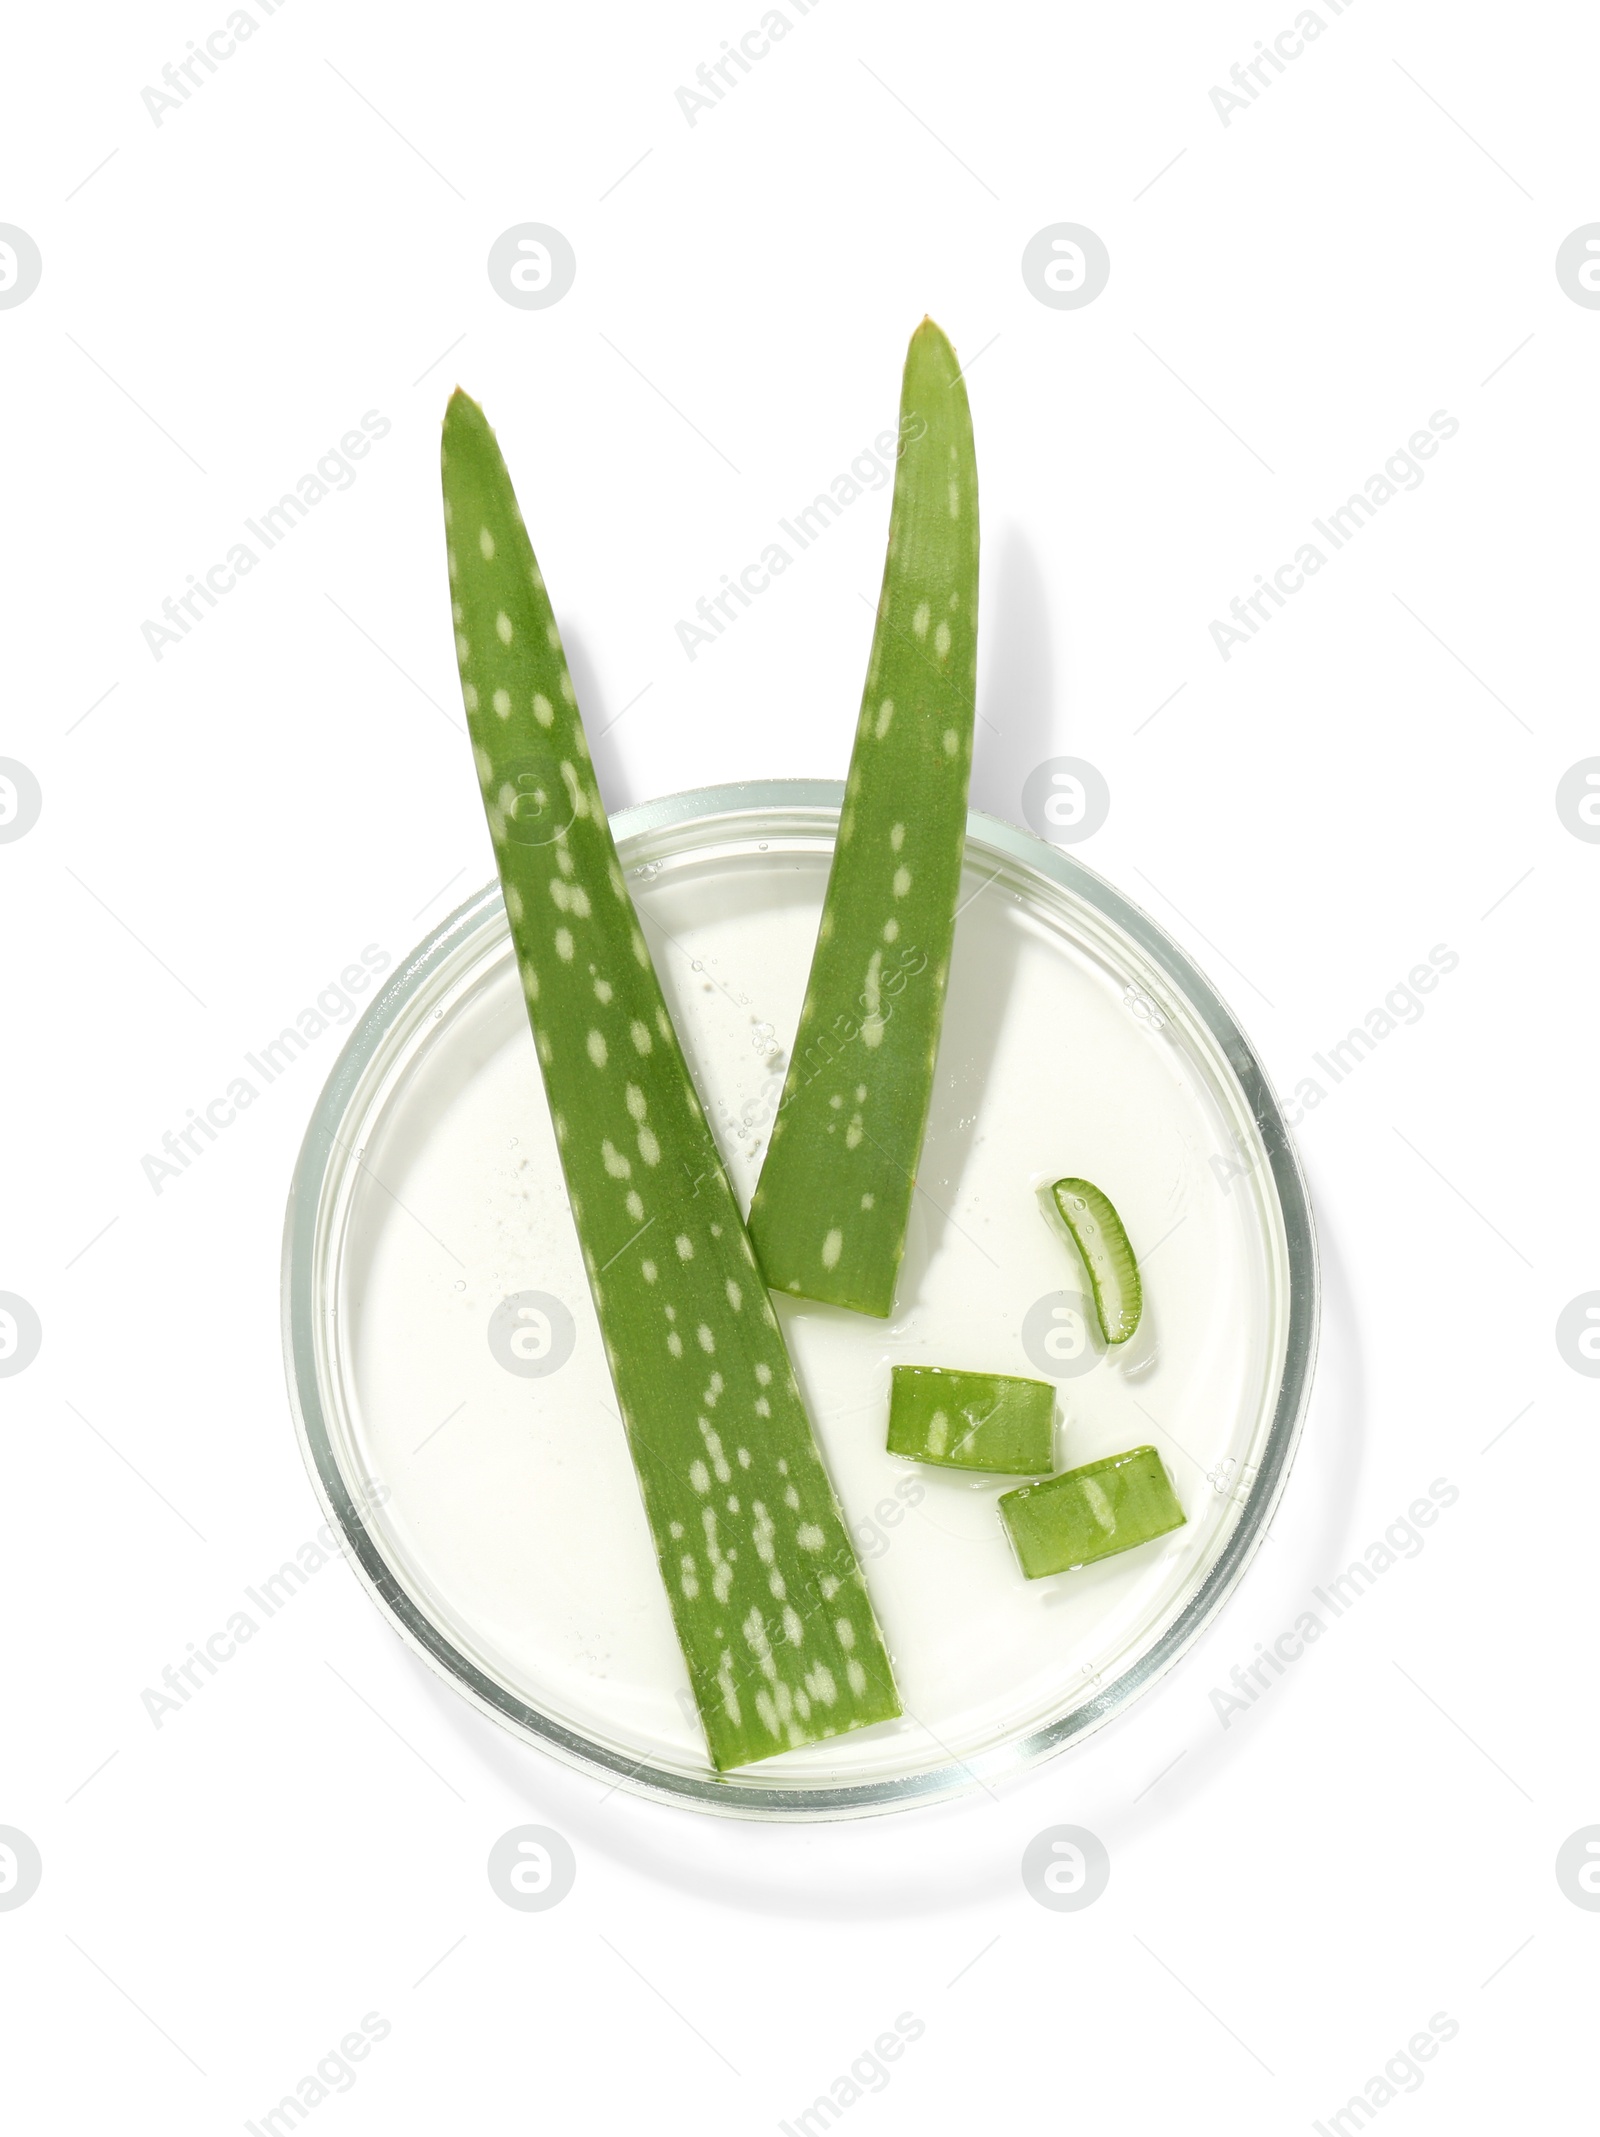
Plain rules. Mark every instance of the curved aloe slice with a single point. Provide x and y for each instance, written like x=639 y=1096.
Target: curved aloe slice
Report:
x=1093 y=1512
x=770 y=1607
x=830 y=1209
x=1095 y=1229
x=972 y=1420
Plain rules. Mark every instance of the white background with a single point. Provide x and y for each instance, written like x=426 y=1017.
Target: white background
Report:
x=1371 y=240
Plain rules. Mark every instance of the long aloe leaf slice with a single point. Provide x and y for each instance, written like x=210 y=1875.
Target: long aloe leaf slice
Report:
x=960 y=1420
x=766 y=1594
x=830 y=1209
x=1090 y=1221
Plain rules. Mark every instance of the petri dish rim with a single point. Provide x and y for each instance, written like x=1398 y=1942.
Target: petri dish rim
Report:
x=807 y=807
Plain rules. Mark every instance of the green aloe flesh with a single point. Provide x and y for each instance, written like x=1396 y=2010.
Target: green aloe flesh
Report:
x=1096 y=1230
x=830 y=1209
x=1089 y=1513
x=766 y=1594
x=972 y=1420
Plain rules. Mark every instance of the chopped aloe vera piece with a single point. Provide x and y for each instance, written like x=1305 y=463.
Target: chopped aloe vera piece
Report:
x=972 y=1420
x=831 y=1206
x=1096 y=1231
x=1093 y=1512
x=770 y=1607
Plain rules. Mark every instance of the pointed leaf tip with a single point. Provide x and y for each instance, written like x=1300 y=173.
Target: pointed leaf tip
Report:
x=462 y=413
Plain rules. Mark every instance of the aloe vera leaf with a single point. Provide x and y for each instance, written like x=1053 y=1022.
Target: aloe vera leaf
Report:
x=769 y=1603
x=830 y=1209
x=1091 y=1222
x=1094 y=1512
x=959 y=1420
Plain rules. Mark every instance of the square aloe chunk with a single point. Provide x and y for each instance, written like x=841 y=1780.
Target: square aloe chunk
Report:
x=1106 y=1506
x=972 y=1420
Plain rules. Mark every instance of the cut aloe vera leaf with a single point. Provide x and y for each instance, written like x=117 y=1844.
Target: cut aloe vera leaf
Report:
x=768 y=1600
x=972 y=1420
x=1095 y=1229
x=830 y=1209
x=1094 y=1512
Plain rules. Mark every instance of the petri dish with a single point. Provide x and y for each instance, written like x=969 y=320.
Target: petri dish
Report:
x=451 y=1392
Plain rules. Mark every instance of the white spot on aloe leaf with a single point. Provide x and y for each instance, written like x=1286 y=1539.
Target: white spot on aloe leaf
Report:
x=597 y=1048
x=897 y=836
x=485 y=543
x=941 y=639
x=543 y=710
x=564 y=945
x=502 y=703
x=885 y=716
x=832 y=1248
x=872 y=1023
x=902 y=881
x=919 y=622
x=719 y=1460
x=502 y=628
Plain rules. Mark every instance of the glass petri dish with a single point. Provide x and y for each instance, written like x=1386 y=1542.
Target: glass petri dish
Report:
x=451 y=1392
